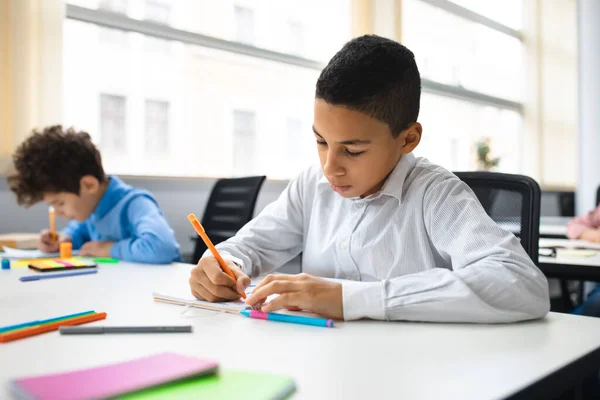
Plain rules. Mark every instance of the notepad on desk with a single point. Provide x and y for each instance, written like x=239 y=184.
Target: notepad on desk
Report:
x=228 y=384
x=576 y=253
x=10 y=252
x=20 y=254
x=232 y=307
x=114 y=379
x=52 y=265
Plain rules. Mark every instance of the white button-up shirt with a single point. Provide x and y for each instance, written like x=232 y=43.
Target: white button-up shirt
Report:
x=420 y=249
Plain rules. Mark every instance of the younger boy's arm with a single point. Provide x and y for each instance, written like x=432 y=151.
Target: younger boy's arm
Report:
x=152 y=239
x=492 y=278
x=78 y=232
x=585 y=227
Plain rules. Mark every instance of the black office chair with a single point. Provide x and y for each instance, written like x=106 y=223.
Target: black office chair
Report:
x=598 y=196
x=230 y=206
x=512 y=201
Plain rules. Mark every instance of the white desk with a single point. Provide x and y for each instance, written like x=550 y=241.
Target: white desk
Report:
x=571 y=267
x=355 y=360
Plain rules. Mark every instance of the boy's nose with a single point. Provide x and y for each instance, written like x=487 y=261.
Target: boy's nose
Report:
x=332 y=166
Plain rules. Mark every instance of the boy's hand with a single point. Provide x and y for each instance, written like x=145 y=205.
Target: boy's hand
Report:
x=299 y=292
x=209 y=282
x=96 y=249
x=47 y=245
x=591 y=235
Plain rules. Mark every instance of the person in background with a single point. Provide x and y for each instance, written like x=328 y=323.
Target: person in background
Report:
x=587 y=227
x=64 y=169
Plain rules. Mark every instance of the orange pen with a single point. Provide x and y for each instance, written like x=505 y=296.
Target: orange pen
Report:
x=51 y=215
x=198 y=227
x=37 y=330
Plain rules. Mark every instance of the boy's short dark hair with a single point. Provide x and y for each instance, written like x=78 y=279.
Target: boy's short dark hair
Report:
x=53 y=160
x=375 y=76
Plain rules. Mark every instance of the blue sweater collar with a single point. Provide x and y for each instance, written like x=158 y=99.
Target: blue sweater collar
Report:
x=114 y=193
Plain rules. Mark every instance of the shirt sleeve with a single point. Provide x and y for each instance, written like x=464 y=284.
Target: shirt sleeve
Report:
x=492 y=279
x=152 y=240
x=271 y=239
x=577 y=226
x=78 y=232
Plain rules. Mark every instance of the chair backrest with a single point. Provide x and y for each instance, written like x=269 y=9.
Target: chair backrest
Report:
x=512 y=201
x=598 y=196
x=557 y=203
x=230 y=206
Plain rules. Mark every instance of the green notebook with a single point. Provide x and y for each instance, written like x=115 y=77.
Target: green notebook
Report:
x=228 y=384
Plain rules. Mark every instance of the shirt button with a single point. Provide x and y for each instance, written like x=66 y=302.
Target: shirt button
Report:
x=343 y=245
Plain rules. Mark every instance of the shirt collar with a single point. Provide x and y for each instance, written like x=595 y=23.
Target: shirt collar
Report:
x=394 y=184
x=114 y=192
x=395 y=181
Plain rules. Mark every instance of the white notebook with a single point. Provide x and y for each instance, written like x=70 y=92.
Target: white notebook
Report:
x=20 y=254
x=233 y=307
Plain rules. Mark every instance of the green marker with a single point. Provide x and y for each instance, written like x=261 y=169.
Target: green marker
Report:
x=105 y=260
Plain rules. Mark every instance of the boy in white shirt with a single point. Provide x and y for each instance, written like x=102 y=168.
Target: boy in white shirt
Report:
x=408 y=238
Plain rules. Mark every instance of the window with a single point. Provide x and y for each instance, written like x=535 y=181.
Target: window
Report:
x=109 y=35
x=157 y=127
x=198 y=84
x=244 y=25
x=158 y=11
x=118 y=6
x=506 y=12
x=295 y=157
x=112 y=122
x=472 y=67
x=452 y=128
x=244 y=138
x=296 y=37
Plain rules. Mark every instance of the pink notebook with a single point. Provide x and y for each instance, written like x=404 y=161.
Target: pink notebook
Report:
x=114 y=379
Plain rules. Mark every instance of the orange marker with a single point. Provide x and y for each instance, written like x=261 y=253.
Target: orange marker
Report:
x=198 y=227
x=37 y=330
x=52 y=225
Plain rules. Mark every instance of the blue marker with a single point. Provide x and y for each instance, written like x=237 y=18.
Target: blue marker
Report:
x=294 y=319
x=5 y=263
x=42 y=321
x=28 y=278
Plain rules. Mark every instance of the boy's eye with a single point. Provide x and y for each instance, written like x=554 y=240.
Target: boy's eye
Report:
x=353 y=153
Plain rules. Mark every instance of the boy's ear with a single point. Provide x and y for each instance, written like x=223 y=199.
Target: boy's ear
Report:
x=411 y=137
x=88 y=184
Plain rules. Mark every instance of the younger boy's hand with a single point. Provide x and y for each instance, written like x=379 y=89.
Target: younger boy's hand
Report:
x=299 y=292
x=47 y=245
x=96 y=249
x=209 y=282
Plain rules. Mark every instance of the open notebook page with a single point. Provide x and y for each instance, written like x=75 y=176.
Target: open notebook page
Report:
x=9 y=252
x=233 y=307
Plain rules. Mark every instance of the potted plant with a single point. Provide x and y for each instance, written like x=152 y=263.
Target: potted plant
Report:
x=484 y=160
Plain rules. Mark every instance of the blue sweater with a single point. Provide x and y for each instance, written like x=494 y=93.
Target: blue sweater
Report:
x=132 y=219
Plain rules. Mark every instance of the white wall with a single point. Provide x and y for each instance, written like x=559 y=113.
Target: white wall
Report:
x=589 y=103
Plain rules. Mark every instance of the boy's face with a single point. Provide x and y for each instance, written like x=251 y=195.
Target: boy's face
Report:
x=71 y=206
x=358 y=152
